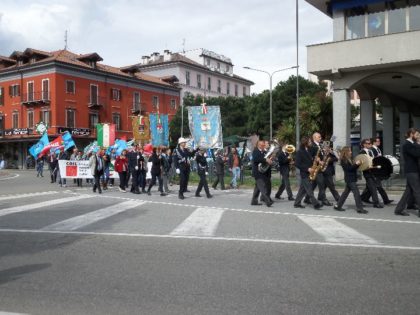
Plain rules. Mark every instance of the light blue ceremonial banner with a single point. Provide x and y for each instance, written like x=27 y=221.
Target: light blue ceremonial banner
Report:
x=159 y=131
x=205 y=126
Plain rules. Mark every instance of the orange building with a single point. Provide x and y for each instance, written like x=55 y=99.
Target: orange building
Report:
x=71 y=92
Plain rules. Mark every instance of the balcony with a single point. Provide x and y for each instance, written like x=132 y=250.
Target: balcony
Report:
x=96 y=102
x=386 y=51
x=36 y=98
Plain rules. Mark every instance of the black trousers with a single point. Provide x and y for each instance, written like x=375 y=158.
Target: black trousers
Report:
x=329 y=183
x=269 y=186
x=285 y=184
x=201 y=184
x=379 y=188
x=370 y=190
x=153 y=182
x=134 y=181
x=260 y=188
x=183 y=181
x=123 y=179
x=141 y=179
x=220 y=178
x=305 y=188
x=96 y=183
x=320 y=183
x=412 y=191
x=356 y=194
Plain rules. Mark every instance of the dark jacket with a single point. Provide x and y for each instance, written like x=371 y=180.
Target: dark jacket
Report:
x=202 y=166
x=303 y=161
x=135 y=159
x=166 y=165
x=313 y=149
x=330 y=169
x=367 y=173
x=156 y=164
x=220 y=165
x=284 y=163
x=350 y=171
x=257 y=158
x=411 y=154
x=181 y=159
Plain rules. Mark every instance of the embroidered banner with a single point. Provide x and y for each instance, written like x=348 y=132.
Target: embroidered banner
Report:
x=159 y=129
x=141 y=130
x=205 y=126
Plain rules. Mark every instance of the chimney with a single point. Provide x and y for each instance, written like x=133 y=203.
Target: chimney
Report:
x=167 y=55
x=155 y=56
x=145 y=60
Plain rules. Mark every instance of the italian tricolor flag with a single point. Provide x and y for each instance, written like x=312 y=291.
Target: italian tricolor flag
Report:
x=105 y=134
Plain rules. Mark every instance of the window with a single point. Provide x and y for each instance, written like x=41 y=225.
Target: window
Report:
x=70 y=118
x=199 y=81
x=45 y=89
x=376 y=24
x=355 y=27
x=45 y=117
x=187 y=78
x=93 y=120
x=209 y=83
x=155 y=101
x=116 y=119
x=1 y=96
x=30 y=119
x=70 y=87
x=208 y=61
x=396 y=21
x=94 y=94
x=14 y=90
x=414 y=18
x=15 y=120
x=244 y=90
x=219 y=86
x=236 y=90
x=173 y=103
x=227 y=88
x=116 y=94
x=136 y=101
x=218 y=66
x=227 y=68
x=30 y=91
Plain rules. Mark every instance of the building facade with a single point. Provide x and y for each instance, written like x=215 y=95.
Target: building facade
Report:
x=375 y=51
x=198 y=72
x=71 y=92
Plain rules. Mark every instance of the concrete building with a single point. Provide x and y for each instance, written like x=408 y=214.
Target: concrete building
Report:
x=198 y=72
x=72 y=92
x=375 y=51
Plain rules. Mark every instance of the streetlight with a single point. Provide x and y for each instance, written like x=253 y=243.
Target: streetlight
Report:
x=271 y=92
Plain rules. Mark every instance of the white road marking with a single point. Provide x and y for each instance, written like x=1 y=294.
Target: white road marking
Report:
x=44 y=193
x=9 y=177
x=44 y=204
x=336 y=232
x=8 y=313
x=202 y=222
x=92 y=217
x=224 y=239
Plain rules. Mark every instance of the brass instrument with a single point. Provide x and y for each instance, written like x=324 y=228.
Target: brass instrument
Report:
x=316 y=167
x=365 y=162
x=327 y=151
x=271 y=153
x=290 y=149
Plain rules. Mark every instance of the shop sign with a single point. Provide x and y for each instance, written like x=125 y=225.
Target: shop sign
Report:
x=75 y=131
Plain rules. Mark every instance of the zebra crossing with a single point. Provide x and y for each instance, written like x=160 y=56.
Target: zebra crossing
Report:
x=83 y=213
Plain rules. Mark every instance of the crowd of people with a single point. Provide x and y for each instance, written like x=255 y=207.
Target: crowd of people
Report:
x=315 y=161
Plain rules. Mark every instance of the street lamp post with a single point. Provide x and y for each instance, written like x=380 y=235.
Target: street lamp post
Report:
x=270 y=75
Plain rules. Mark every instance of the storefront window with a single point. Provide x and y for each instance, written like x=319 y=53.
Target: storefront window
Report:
x=376 y=24
x=414 y=13
x=396 y=21
x=355 y=27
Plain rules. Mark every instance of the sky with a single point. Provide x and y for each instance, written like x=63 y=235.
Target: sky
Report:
x=255 y=33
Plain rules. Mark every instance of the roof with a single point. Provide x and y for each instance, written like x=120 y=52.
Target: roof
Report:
x=176 y=58
x=68 y=57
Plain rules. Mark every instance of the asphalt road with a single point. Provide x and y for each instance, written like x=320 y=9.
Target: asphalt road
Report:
x=69 y=251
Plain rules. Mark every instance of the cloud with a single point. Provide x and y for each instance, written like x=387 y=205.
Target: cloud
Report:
x=254 y=33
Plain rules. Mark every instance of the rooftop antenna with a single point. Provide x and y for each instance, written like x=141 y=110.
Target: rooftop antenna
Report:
x=65 y=40
x=183 y=45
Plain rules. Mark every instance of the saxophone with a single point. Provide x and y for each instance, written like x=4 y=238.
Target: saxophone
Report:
x=316 y=167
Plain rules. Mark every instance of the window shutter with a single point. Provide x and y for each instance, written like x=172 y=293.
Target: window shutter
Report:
x=110 y=96
x=120 y=95
x=10 y=90
x=18 y=90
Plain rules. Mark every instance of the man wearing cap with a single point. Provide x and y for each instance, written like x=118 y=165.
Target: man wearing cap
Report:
x=202 y=171
x=182 y=165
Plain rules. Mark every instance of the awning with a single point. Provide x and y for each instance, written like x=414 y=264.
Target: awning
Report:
x=348 y=4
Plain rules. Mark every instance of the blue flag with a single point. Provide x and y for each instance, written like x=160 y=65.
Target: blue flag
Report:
x=159 y=129
x=67 y=140
x=37 y=148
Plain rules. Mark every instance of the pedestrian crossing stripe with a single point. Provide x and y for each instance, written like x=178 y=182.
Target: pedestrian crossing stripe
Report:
x=202 y=222
x=35 y=194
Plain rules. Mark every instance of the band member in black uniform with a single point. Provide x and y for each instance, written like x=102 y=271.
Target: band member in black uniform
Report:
x=328 y=170
x=376 y=151
x=156 y=172
x=284 y=160
x=268 y=173
x=350 y=177
x=411 y=155
x=220 y=170
x=202 y=171
x=134 y=164
x=316 y=149
x=304 y=162
x=370 y=179
x=260 y=178
x=182 y=165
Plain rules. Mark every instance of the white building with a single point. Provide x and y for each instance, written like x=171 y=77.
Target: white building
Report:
x=198 y=71
x=375 y=51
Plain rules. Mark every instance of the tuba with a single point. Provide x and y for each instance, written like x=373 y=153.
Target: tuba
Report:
x=271 y=153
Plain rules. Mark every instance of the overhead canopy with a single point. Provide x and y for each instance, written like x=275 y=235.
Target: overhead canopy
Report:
x=348 y=4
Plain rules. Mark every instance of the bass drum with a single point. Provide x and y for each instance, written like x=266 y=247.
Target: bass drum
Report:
x=385 y=166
